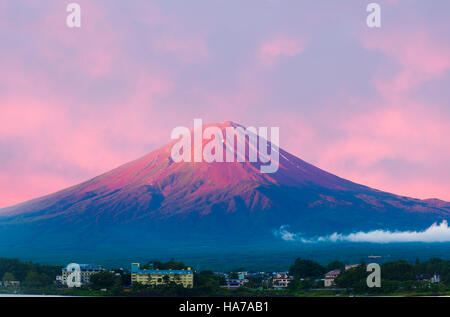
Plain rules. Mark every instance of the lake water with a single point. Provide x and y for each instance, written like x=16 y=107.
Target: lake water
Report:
x=24 y=295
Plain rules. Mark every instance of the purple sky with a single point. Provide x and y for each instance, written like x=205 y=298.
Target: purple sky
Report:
x=370 y=105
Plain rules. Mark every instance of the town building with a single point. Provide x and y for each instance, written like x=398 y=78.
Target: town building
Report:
x=330 y=277
x=256 y=274
x=436 y=278
x=86 y=270
x=351 y=266
x=11 y=284
x=59 y=280
x=422 y=277
x=241 y=275
x=161 y=277
x=233 y=283
x=281 y=281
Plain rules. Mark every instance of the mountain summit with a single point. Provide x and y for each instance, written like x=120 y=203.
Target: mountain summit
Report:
x=155 y=199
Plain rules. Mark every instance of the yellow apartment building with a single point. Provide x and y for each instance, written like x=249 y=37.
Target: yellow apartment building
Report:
x=160 y=277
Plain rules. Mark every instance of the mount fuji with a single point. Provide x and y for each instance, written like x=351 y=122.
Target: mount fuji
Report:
x=152 y=205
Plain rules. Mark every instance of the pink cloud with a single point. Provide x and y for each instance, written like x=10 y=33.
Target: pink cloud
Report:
x=394 y=128
x=29 y=184
x=187 y=49
x=397 y=126
x=280 y=46
x=421 y=58
x=22 y=116
x=93 y=49
x=70 y=134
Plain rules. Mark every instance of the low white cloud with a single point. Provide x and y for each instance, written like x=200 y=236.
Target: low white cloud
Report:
x=284 y=234
x=435 y=233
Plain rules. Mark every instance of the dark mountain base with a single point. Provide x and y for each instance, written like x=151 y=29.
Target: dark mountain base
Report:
x=114 y=248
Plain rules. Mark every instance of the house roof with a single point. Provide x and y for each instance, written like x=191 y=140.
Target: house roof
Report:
x=333 y=273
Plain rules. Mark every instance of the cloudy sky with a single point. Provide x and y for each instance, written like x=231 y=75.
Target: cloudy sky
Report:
x=370 y=105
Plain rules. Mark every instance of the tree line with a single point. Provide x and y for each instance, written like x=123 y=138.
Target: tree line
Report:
x=307 y=276
x=396 y=276
x=27 y=273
